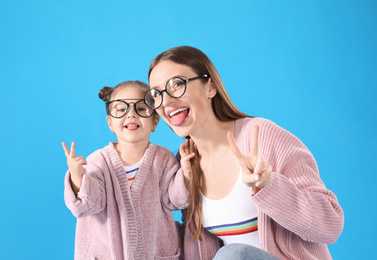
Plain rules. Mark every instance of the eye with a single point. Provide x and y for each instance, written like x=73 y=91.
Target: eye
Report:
x=120 y=107
x=155 y=93
x=179 y=84
x=176 y=83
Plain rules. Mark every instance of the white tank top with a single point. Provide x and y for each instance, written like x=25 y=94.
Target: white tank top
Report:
x=234 y=218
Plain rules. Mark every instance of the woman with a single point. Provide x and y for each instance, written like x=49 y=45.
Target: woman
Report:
x=252 y=184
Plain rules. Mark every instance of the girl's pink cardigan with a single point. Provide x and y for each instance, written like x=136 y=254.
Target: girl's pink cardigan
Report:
x=116 y=222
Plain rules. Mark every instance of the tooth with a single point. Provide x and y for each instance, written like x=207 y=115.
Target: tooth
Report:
x=177 y=111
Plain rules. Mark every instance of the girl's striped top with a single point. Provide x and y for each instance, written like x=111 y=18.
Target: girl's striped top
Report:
x=131 y=172
x=234 y=218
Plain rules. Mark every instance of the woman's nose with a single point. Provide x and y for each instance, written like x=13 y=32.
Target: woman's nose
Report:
x=166 y=99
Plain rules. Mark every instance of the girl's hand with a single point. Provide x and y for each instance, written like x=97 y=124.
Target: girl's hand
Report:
x=255 y=172
x=184 y=151
x=75 y=165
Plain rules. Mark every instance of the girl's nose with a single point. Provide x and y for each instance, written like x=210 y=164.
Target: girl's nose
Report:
x=131 y=112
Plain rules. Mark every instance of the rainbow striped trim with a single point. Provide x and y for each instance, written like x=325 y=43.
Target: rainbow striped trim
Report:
x=240 y=228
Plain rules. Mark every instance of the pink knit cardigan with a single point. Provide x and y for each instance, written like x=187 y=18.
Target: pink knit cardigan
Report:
x=116 y=222
x=297 y=215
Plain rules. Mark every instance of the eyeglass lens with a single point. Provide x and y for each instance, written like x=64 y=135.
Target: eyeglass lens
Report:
x=119 y=108
x=175 y=88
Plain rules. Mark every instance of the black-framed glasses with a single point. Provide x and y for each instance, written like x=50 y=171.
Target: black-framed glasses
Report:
x=118 y=108
x=175 y=87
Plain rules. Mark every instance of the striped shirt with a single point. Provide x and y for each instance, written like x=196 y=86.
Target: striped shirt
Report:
x=131 y=172
x=234 y=218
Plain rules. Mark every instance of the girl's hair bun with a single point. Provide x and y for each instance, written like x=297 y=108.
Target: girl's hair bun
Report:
x=105 y=93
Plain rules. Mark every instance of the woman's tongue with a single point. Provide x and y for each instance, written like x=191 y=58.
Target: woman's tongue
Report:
x=177 y=119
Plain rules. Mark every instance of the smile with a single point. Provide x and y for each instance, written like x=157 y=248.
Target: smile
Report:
x=132 y=126
x=179 y=110
x=178 y=116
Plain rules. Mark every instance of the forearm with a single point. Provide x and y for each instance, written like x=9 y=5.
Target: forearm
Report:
x=312 y=213
x=178 y=193
x=89 y=199
x=76 y=181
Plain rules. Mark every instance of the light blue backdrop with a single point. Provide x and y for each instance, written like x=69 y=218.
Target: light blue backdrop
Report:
x=310 y=66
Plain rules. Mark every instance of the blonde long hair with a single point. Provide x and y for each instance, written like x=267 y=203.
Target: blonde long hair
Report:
x=224 y=110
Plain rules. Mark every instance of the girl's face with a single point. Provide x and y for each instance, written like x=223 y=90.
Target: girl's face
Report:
x=188 y=114
x=131 y=128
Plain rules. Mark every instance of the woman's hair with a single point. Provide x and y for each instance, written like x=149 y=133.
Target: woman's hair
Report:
x=224 y=110
x=107 y=92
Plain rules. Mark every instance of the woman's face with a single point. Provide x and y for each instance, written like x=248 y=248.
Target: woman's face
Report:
x=188 y=114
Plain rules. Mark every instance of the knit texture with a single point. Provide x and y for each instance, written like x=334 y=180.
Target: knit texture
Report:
x=297 y=215
x=116 y=222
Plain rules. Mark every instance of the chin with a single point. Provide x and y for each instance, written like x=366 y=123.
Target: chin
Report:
x=180 y=131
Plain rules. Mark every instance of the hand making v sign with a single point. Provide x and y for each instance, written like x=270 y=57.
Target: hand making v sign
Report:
x=75 y=165
x=255 y=172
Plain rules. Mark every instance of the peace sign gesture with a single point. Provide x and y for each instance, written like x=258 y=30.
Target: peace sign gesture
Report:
x=255 y=172
x=75 y=165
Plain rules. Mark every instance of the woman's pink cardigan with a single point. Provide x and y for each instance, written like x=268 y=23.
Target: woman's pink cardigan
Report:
x=297 y=215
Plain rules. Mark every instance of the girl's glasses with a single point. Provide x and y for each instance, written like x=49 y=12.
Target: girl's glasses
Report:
x=118 y=108
x=175 y=87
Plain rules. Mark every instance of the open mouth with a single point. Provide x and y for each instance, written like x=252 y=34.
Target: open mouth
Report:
x=132 y=126
x=178 y=116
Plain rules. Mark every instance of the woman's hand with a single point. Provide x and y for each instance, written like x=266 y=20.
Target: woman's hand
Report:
x=75 y=165
x=184 y=151
x=255 y=172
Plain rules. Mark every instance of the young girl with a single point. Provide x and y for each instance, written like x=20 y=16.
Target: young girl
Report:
x=122 y=194
x=253 y=184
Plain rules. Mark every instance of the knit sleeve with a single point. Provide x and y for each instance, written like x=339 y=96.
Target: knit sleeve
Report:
x=173 y=190
x=91 y=197
x=296 y=197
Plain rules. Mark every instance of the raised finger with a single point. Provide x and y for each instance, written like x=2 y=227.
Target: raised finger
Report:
x=73 y=151
x=183 y=150
x=259 y=166
x=233 y=146
x=188 y=146
x=66 y=150
x=254 y=142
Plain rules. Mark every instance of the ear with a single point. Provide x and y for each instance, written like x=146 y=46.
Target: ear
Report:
x=212 y=90
x=110 y=123
x=156 y=119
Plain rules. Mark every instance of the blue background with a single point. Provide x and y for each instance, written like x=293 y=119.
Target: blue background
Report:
x=309 y=66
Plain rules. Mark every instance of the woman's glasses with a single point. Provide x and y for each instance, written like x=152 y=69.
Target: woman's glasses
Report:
x=118 y=108
x=175 y=87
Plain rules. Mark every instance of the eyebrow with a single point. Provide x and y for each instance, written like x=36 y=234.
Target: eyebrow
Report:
x=129 y=99
x=177 y=76
x=126 y=99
